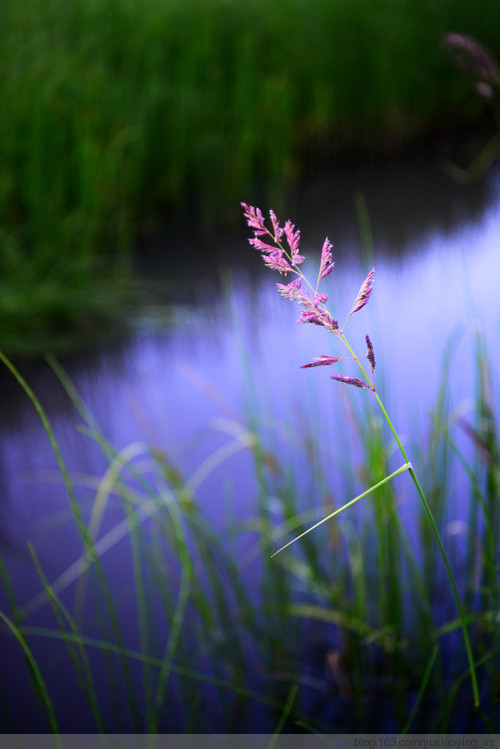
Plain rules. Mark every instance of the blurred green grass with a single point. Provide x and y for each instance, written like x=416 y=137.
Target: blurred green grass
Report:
x=355 y=618
x=116 y=111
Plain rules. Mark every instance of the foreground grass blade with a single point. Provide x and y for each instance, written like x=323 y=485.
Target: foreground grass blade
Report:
x=444 y=555
x=423 y=685
x=36 y=672
x=402 y=469
x=284 y=715
x=60 y=612
x=108 y=598
x=188 y=673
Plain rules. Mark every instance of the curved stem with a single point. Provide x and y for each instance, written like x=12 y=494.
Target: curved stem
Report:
x=340 y=334
x=444 y=555
x=346 y=343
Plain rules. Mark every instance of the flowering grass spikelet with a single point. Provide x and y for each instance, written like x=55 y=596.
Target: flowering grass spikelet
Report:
x=322 y=361
x=277 y=229
x=261 y=246
x=326 y=264
x=293 y=239
x=292 y=291
x=370 y=355
x=276 y=261
x=350 y=381
x=364 y=293
x=255 y=219
x=313 y=312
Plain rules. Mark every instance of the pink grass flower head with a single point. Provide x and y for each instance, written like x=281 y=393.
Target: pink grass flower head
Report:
x=277 y=257
x=255 y=219
x=272 y=255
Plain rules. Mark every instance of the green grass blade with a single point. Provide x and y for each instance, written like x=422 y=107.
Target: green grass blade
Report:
x=113 y=617
x=132 y=654
x=36 y=672
x=86 y=679
x=284 y=715
x=423 y=685
x=405 y=467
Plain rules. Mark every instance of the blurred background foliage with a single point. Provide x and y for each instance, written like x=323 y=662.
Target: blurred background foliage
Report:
x=115 y=112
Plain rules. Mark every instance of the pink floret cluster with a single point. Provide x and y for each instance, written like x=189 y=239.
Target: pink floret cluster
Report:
x=287 y=259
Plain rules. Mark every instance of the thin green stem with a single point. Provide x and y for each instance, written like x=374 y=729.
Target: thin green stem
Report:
x=368 y=379
x=44 y=695
x=444 y=555
x=284 y=715
x=423 y=686
x=405 y=467
x=435 y=530
x=90 y=546
x=391 y=426
x=453 y=585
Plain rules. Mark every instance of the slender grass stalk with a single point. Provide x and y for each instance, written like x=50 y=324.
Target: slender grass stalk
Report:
x=61 y=612
x=284 y=715
x=8 y=586
x=180 y=670
x=177 y=618
x=168 y=504
x=444 y=556
x=402 y=469
x=90 y=550
x=16 y=631
x=453 y=691
x=425 y=680
x=286 y=258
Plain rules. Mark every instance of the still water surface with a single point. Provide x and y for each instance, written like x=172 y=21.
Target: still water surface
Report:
x=230 y=350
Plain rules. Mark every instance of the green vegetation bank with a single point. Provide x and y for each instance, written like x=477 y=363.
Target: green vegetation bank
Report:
x=115 y=111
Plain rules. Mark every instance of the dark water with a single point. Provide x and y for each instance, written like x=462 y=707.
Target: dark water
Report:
x=188 y=381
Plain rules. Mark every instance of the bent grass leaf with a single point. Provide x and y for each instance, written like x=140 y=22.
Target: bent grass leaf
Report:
x=402 y=469
x=51 y=717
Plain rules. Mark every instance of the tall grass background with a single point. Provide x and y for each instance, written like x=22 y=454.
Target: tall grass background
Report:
x=114 y=112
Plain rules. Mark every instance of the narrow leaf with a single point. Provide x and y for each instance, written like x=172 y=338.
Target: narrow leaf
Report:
x=402 y=469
